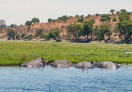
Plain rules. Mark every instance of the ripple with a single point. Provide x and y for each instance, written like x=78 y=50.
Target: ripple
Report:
x=48 y=79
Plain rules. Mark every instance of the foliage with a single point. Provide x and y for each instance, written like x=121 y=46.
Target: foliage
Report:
x=101 y=31
x=18 y=37
x=13 y=25
x=23 y=36
x=88 y=28
x=39 y=32
x=114 y=19
x=105 y=18
x=28 y=37
x=35 y=20
x=97 y=14
x=80 y=20
x=74 y=29
x=77 y=16
x=2 y=24
x=122 y=11
x=63 y=18
x=28 y=23
x=50 y=20
x=112 y=11
x=11 y=34
x=54 y=34
x=125 y=26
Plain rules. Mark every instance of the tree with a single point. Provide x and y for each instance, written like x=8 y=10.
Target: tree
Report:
x=54 y=34
x=35 y=20
x=2 y=24
x=73 y=30
x=39 y=32
x=11 y=34
x=102 y=31
x=50 y=20
x=123 y=11
x=97 y=14
x=112 y=11
x=28 y=23
x=88 y=28
x=63 y=18
x=105 y=18
x=125 y=29
x=117 y=12
x=13 y=25
x=98 y=34
x=81 y=19
x=77 y=16
x=114 y=19
x=125 y=26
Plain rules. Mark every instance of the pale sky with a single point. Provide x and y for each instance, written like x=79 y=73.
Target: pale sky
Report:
x=19 y=11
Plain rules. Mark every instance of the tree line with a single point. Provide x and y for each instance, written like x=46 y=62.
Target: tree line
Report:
x=84 y=30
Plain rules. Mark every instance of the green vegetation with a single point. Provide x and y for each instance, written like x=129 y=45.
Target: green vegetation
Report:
x=125 y=26
x=114 y=19
x=39 y=32
x=81 y=19
x=101 y=32
x=33 y=21
x=50 y=20
x=63 y=18
x=28 y=23
x=105 y=18
x=82 y=28
x=15 y=53
x=11 y=34
x=112 y=11
x=54 y=35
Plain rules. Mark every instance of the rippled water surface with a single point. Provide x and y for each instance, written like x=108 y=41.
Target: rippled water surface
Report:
x=48 y=79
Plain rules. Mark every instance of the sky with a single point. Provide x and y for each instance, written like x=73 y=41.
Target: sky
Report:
x=19 y=11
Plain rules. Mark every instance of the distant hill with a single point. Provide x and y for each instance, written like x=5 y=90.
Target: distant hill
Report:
x=61 y=25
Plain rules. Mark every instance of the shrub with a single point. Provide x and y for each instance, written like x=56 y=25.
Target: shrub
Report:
x=105 y=17
x=11 y=34
x=114 y=19
x=39 y=32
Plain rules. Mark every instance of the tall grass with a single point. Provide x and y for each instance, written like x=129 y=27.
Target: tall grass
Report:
x=16 y=53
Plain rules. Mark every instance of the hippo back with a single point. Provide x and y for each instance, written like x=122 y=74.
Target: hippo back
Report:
x=35 y=63
x=106 y=64
x=61 y=63
x=84 y=65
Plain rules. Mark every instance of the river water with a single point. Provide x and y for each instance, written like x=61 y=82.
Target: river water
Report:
x=48 y=79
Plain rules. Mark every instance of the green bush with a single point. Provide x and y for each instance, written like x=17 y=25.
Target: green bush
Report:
x=11 y=34
x=114 y=19
x=39 y=32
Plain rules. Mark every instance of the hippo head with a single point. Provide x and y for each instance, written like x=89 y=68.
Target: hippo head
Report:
x=43 y=61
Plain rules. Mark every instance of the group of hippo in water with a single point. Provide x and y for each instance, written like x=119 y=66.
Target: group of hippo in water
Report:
x=64 y=63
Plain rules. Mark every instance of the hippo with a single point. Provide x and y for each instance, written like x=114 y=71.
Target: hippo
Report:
x=61 y=63
x=106 y=64
x=35 y=63
x=84 y=65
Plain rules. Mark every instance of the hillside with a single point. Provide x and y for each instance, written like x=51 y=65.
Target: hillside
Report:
x=58 y=24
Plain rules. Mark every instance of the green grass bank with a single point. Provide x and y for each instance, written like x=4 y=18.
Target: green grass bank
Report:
x=15 y=53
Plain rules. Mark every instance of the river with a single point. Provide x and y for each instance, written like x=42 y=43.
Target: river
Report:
x=48 y=79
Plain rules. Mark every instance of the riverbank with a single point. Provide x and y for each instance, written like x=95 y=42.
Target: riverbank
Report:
x=15 y=53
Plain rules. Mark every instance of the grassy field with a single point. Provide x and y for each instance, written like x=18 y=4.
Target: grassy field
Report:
x=15 y=53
